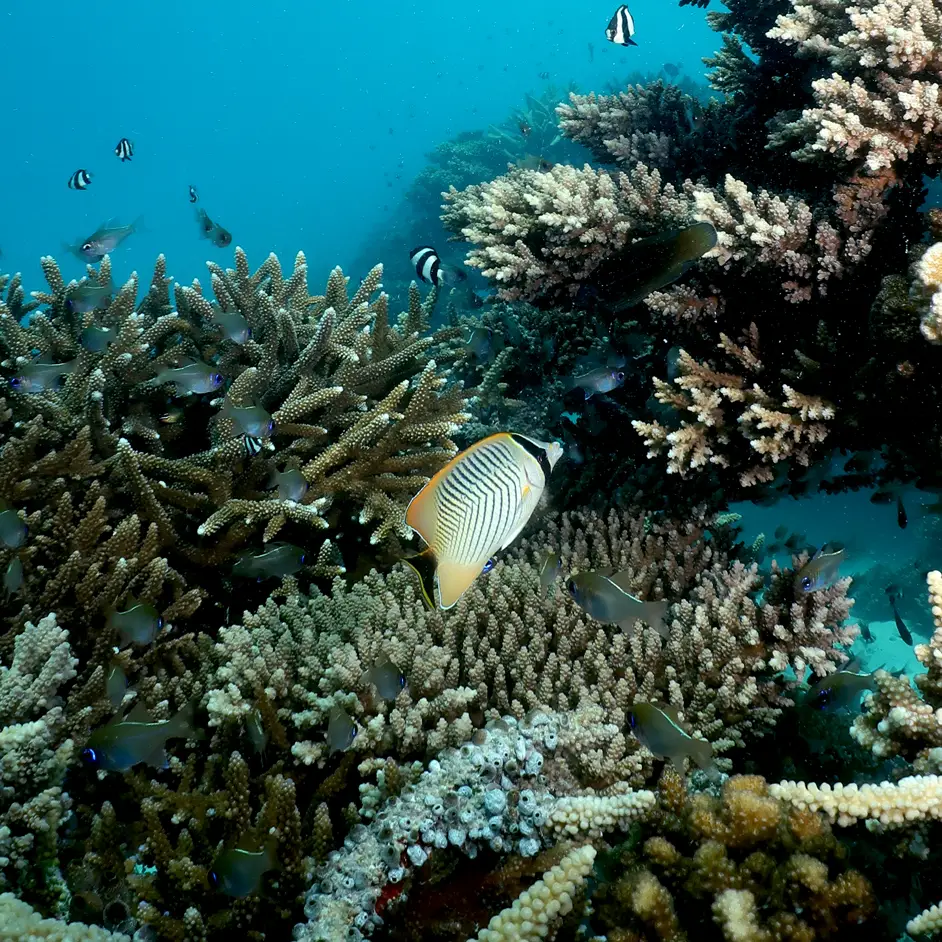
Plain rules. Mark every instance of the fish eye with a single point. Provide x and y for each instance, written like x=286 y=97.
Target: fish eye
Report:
x=806 y=582
x=301 y=558
x=16 y=382
x=402 y=681
x=632 y=720
x=271 y=426
x=217 y=379
x=619 y=376
x=160 y=623
x=213 y=879
x=488 y=566
x=87 y=247
x=248 y=332
x=89 y=756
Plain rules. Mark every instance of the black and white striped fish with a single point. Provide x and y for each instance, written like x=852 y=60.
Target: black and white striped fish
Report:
x=429 y=267
x=80 y=180
x=194 y=196
x=476 y=505
x=621 y=27
x=251 y=445
x=125 y=150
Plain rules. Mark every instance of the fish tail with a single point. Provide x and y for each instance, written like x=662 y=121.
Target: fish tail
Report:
x=656 y=616
x=425 y=565
x=702 y=753
x=182 y=724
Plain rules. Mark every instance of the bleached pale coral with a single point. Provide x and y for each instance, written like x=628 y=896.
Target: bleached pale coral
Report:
x=540 y=234
x=735 y=911
x=927 y=922
x=729 y=411
x=532 y=914
x=35 y=752
x=927 y=288
x=882 y=103
x=911 y=799
x=19 y=922
x=900 y=720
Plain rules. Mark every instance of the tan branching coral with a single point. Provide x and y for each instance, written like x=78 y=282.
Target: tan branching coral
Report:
x=927 y=290
x=539 y=234
x=729 y=411
x=536 y=909
x=759 y=868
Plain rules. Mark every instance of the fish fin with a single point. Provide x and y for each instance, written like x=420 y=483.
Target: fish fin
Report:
x=702 y=753
x=454 y=579
x=424 y=565
x=158 y=758
x=139 y=714
x=630 y=42
x=677 y=761
x=182 y=724
x=588 y=394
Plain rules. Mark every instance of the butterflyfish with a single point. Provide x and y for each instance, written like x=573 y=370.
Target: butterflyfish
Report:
x=476 y=505
x=661 y=732
x=621 y=27
x=606 y=600
x=123 y=743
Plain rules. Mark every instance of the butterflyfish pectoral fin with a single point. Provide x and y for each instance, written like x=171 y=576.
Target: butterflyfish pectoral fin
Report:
x=424 y=566
x=454 y=579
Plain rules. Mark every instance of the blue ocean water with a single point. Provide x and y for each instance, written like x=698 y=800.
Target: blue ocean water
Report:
x=300 y=124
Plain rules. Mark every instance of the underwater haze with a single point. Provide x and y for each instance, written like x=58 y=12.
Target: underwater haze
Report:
x=301 y=124
x=471 y=472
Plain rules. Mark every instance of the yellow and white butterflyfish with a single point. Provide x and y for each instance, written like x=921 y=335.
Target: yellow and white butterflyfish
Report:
x=476 y=505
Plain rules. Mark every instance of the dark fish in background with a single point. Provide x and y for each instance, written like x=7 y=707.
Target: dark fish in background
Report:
x=429 y=267
x=13 y=576
x=860 y=462
x=216 y=234
x=124 y=150
x=543 y=75
x=866 y=633
x=484 y=344
x=660 y=731
x=194 y=196
x=104 y=240
x=291 y=484
x=901 y=517
x=278 y=561
x=621 y=27
x=893 y=593
x=172 y=416
x=821 y=571
x=781 y=532
x=238 y=872
x=602 y=380
x=607 y=601
x=839 y=690
x=116 y=683
x=672 y=70
x=248 y=420
x=341 y=730
x=532 y=162
x=123 y=743
x=386 y=677
x=86 y=297
x=138 y=625
x=525 y=128
x=12 y=528
x=658 y=261
x=41 y=376
x=80 y=180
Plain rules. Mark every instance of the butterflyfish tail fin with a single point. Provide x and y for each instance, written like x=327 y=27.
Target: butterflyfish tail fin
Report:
x=424 y=565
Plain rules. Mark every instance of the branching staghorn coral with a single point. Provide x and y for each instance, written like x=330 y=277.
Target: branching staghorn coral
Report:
x=741 y=867
x=124 y=492
x=730 y=410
